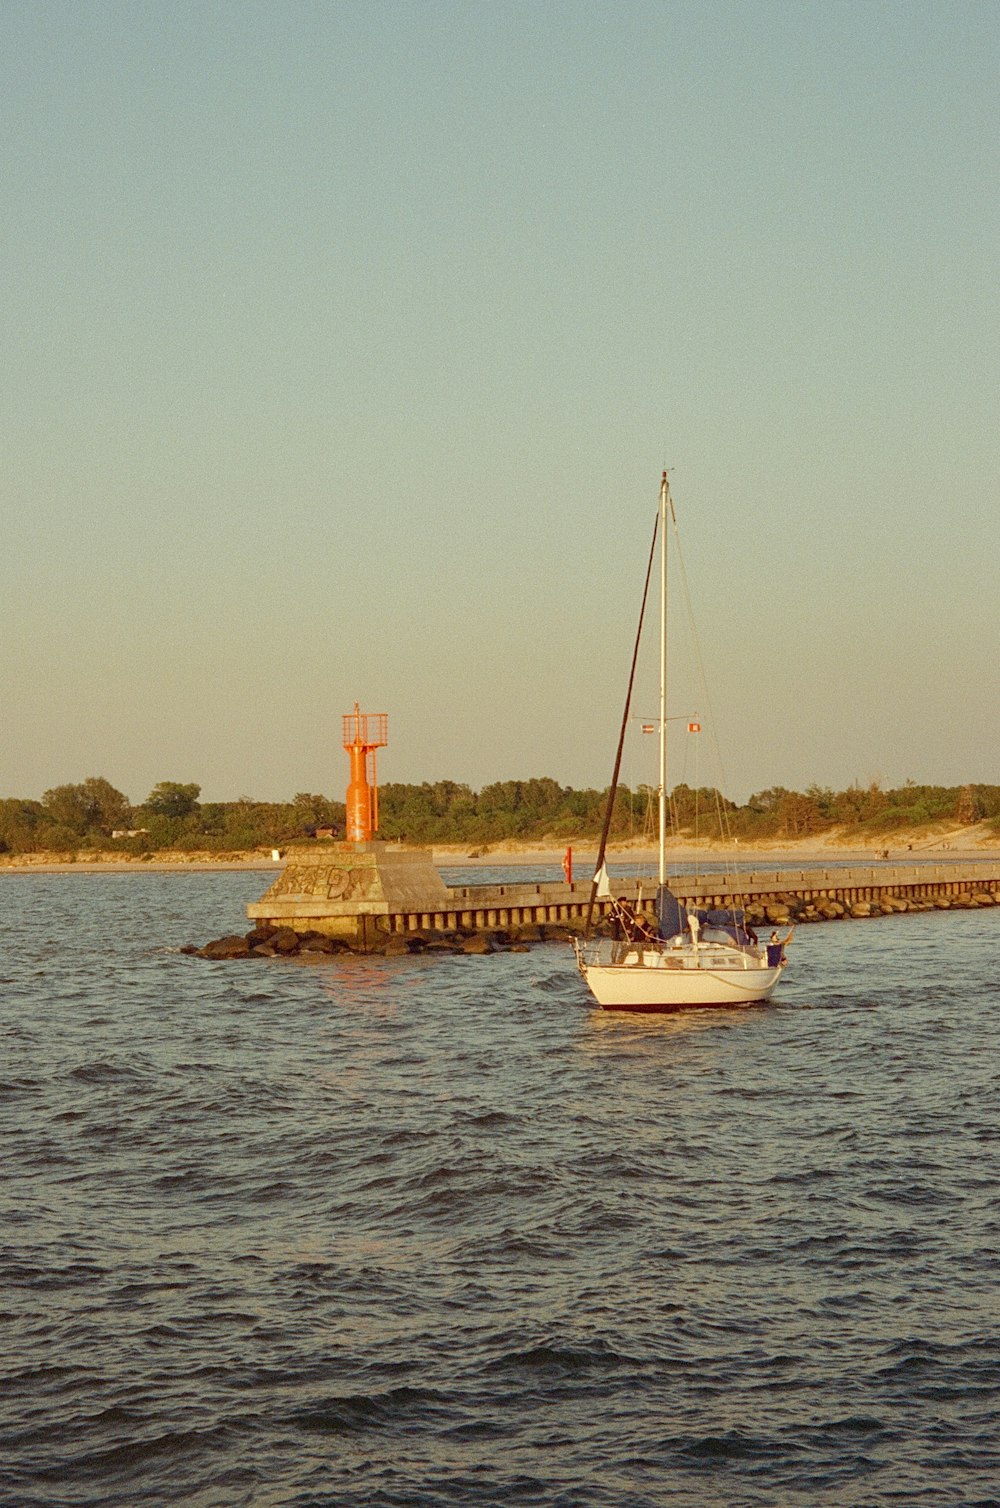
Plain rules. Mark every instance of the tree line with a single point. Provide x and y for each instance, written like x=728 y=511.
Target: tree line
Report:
x=94 y=815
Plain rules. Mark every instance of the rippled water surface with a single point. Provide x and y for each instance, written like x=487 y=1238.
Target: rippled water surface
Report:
x=432 y=1231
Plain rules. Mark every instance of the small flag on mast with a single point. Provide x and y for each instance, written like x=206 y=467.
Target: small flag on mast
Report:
x=649 y=727
x=694 y=727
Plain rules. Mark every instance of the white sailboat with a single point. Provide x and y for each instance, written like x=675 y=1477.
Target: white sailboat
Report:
x=692 y=959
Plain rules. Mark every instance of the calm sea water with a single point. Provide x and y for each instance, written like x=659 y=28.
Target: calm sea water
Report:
x=434 y=1232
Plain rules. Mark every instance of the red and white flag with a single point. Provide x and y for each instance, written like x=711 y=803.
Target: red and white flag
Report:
x=694 y=727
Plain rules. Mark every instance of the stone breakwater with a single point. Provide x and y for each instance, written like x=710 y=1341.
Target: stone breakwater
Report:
x=285 y=942
x=853 y=893
x=778 y=908
x=415 y=918
x=792 y=908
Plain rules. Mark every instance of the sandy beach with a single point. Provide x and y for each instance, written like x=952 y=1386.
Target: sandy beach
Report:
x=975 y=843
x=979 y=842
x=95 y=863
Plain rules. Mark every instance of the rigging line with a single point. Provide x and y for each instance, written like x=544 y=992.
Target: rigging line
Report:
x=693 y=630
x=621 y=737
x=725 y=828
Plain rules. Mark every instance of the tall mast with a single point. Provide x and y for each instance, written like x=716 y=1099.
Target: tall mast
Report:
x=663 y=681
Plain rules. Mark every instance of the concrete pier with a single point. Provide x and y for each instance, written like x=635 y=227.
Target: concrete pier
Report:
x=362 y=892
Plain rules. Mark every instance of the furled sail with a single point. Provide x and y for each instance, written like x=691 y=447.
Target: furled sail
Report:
x=671 y=915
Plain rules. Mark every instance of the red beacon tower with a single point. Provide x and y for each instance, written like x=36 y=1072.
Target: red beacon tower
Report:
x=364 y=732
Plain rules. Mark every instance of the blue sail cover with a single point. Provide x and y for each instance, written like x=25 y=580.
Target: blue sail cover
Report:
x=671 y=916
x=729 y=920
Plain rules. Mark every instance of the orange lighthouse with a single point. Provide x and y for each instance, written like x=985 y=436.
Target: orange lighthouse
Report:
x=364 y=732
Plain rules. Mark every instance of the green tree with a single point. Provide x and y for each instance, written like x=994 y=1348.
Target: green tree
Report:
x=970 y=808
x=170 y=799
x=799 y=815
x=822 y=799
x=94 y=806
x=860 y=803
x=21 y=825
x=314 y=811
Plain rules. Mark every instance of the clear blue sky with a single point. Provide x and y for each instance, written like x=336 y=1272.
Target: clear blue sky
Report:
x=344 y=344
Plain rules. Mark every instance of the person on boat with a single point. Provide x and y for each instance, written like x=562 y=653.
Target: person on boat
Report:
x=633 y=928
x=644 y=932
x=776 y=948
x=625 y=919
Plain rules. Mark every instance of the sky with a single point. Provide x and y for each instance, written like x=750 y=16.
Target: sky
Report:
x=344 y=345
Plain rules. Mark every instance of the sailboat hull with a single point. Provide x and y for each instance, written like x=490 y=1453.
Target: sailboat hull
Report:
x=679 y=979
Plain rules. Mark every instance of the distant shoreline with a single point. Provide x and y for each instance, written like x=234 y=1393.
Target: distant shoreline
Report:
x=25 y=864
x=959 y=843
x=906 y=848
